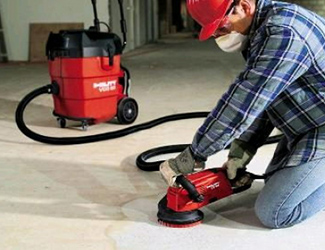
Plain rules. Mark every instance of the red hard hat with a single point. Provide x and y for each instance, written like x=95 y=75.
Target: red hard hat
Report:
x=208 y=13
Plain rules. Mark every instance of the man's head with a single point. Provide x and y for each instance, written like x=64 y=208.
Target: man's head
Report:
x=221 y=17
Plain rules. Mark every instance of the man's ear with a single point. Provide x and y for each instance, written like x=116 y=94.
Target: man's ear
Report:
x=248 y=6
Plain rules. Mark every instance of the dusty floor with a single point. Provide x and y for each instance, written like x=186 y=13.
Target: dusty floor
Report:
x=92 y=196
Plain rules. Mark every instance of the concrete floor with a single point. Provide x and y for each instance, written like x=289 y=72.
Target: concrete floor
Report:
x=93 y=196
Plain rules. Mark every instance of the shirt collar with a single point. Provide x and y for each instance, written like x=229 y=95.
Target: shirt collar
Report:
x=262 y=8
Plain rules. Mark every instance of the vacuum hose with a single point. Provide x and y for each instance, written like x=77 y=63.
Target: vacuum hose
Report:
x=140 y=161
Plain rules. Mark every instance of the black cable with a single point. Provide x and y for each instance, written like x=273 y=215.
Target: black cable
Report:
x=123 y=24
x=108 y=28
x=96 y=20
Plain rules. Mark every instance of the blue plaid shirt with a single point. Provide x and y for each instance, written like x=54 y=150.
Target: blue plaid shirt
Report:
x=282 y=86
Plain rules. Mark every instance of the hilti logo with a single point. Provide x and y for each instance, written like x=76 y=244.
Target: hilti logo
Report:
x=105 y=86
x=214 y=185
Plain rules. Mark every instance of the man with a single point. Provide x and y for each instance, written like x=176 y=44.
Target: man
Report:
x=282 y=86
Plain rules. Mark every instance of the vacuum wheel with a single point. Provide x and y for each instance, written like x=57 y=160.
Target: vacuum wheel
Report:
x=84 y=125
x=127 y=110
x=61 y=122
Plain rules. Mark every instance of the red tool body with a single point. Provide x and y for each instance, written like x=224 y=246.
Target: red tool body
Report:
x=180 y=207
x=212 y=184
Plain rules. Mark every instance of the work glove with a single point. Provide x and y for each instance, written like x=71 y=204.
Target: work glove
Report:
x=240 y=154
x=183 y=164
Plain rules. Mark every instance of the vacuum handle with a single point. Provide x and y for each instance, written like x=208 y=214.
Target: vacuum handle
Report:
x=123 y=23
x=190 y=188
x=96 y=20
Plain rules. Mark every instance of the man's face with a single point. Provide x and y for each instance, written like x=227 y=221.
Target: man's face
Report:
x=238 y=18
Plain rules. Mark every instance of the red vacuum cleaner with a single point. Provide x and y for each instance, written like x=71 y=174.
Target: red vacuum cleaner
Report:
x=180 y=207
x=85 y=66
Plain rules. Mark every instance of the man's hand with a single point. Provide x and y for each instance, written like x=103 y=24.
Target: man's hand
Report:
x=232 y=165
x=237 y=178
x=240 y=154
x=184 y=163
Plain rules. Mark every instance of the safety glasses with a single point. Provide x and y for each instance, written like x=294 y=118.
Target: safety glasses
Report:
x=224 y=22
x=231 y=8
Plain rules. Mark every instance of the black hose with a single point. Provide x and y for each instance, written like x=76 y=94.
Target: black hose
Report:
x=91 y=138
x=142 y=163
x=141 y=159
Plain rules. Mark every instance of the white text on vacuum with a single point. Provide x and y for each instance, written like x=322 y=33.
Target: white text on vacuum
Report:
x=214 y=185
x=105 y=86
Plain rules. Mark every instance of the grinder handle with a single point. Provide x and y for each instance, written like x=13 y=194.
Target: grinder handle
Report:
x=190 y=188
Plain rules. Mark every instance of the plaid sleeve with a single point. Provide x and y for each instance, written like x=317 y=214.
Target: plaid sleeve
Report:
x=277 y=59
x=258 y=132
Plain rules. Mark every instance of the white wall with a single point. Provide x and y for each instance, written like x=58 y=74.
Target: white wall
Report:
x=18 y=14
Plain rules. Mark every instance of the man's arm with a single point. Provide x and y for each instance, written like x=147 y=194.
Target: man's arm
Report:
x=275 y=63
x=255 y=136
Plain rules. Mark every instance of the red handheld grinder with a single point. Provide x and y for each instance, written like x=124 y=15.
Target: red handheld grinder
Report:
x=180 y=207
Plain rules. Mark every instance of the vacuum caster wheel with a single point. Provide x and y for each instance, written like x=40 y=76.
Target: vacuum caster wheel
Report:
x=61 y=122
x=127 y=111
x=84 y=125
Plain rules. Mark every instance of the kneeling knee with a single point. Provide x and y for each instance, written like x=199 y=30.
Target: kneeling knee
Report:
x=269 y=218
x=265 y=218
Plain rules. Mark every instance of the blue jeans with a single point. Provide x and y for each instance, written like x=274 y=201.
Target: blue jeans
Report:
x=292 y=195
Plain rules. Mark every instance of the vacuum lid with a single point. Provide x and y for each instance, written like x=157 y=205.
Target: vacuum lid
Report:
x=82 y=43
